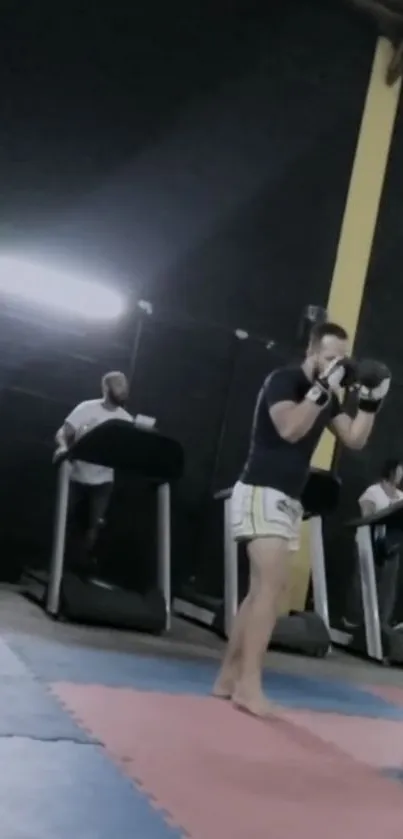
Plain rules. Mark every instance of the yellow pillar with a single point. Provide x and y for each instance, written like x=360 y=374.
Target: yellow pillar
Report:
x=354 y=248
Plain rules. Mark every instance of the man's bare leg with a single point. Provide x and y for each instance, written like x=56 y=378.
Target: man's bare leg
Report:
x=230 y=668
x=269 y=566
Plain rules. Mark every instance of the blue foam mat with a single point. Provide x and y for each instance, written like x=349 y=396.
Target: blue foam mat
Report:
x=28 y=710
x=54 y=662
x=64 y=790
x=26 y=707
x=10 y=664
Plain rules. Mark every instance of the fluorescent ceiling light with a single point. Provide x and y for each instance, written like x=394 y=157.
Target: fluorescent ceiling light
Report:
x=52 y=289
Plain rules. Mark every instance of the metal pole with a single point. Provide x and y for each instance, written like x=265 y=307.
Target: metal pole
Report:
x=318 y=569
x=369 y=593
x=164 y=547
x=231 y=596
x=145 y=310
x=59 y=538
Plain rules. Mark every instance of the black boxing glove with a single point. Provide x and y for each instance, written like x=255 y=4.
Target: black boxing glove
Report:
x=350 y=379
x=374 y=380
x=331 y=379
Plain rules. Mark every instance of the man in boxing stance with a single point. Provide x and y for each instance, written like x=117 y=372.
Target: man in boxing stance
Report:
x=91 y=485
x=294 y=406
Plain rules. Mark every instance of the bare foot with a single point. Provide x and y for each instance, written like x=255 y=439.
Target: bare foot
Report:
x=224 y=687
x=256 y=704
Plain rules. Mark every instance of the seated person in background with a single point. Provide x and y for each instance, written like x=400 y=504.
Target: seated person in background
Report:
x=386 y=549
x=91 y=485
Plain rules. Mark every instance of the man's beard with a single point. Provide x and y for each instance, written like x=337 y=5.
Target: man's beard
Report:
x=118 y=401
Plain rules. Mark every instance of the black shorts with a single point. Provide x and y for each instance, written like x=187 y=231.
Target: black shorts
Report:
x=88 y=505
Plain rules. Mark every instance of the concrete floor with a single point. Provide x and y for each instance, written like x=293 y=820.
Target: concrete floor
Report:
x=17 y=614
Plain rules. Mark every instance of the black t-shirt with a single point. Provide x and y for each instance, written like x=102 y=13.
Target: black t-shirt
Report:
x=272 y=461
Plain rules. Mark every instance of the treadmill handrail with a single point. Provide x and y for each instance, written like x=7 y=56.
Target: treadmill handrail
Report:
x=391 y=516
x=223 y=494
x=119 y=444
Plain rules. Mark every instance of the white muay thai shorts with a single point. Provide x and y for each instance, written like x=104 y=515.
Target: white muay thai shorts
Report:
x=262 y=512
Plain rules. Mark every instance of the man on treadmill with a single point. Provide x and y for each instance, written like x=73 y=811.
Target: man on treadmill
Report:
x=377 y=497
x=91 y=485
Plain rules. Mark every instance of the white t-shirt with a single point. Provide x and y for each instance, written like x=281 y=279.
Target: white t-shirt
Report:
x=85 y=416
x=378 y=497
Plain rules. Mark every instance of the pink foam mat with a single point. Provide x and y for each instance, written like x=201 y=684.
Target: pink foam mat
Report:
x=220 y=773
x=376 y=742
x=391 y=693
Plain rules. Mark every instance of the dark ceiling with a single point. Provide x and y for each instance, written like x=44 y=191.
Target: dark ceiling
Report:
x=85 y=86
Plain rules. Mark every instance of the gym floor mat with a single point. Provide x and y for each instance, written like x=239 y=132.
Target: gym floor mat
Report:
x=54 y=661
x=391 y=693
x=10 y=664
x=63 y=790
x=222 y=773
x=190 y=760
x=28 y=710
x=375 y=742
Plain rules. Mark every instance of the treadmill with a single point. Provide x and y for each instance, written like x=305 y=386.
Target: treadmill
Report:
x=151 y=457
x=371 y=640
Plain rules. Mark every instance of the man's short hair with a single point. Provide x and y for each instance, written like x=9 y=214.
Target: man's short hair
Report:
x=108 y=377
x=322 y=330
